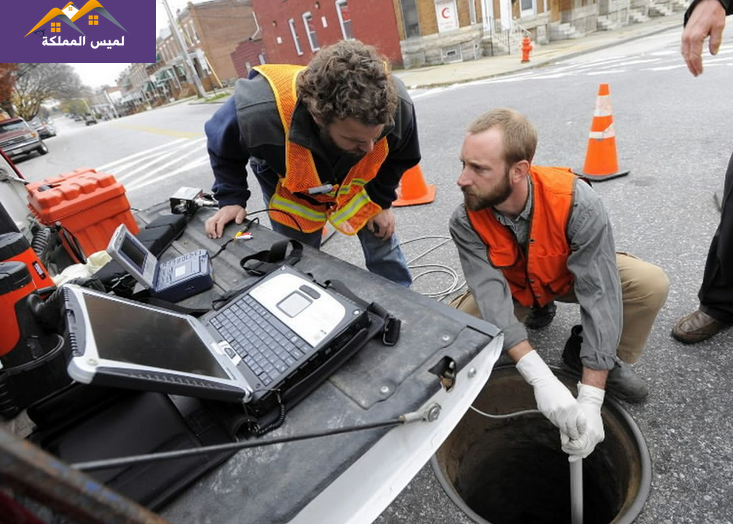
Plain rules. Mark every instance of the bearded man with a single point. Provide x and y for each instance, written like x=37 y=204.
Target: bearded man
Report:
x=328 y=142
x=528 y=235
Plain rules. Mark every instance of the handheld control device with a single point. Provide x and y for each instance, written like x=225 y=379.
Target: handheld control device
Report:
x=172 y=280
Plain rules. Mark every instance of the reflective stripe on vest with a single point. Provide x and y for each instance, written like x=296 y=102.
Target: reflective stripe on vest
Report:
x=347 y=206
x=542 y=274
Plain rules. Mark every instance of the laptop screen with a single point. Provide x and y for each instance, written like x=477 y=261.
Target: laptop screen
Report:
x=135 y=334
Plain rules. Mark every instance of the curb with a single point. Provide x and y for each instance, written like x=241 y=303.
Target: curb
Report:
x=541 y=62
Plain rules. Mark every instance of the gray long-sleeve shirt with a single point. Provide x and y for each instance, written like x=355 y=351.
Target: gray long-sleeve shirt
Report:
x=592 y=262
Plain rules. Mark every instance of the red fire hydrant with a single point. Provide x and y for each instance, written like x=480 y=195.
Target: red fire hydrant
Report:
x=526 y=48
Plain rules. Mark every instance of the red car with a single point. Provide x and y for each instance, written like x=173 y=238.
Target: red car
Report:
x=18 y=138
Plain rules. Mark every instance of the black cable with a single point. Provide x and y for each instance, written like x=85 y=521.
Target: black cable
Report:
x=246 y=228
x=249 y=225
x=167 y=455
x=269 y=209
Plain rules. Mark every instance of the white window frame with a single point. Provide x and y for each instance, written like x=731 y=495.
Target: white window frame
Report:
x=527 y=12
x=310 y=34
x=338 y=5
x=294 y=34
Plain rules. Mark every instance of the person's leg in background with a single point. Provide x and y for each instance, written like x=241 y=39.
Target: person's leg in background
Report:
x=716 y=292
x=467 y=303
x=644 y=289
x=385 y=257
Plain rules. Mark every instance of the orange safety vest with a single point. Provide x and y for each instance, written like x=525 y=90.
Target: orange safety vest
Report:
x=540 y=274
x=347 y=206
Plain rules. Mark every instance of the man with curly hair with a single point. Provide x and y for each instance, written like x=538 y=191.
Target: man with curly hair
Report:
x=326 y=142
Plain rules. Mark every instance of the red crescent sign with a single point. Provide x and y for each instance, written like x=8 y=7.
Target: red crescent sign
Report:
x=445 y=12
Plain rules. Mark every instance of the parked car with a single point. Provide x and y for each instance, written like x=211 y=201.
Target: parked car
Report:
x=18 y=138
x=90 y=119
x=44 y=128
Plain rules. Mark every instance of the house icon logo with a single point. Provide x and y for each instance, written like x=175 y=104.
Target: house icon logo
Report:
x=73 y=17
x=84 y=31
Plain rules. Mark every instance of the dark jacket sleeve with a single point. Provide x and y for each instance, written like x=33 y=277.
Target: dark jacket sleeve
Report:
x=228 y=156
x=404 y=153
x=727 y=4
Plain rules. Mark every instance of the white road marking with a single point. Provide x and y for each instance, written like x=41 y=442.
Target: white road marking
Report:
x=136 y=155
x=187 y=167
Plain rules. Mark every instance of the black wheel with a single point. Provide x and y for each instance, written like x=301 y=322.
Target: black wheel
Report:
x=43 y=149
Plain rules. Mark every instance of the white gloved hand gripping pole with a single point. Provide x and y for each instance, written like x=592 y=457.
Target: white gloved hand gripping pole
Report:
x=554 y=400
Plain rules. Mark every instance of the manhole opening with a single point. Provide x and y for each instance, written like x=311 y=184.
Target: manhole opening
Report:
x=513 y=471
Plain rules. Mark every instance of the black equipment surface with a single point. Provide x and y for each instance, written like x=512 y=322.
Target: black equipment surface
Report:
x=272 y=484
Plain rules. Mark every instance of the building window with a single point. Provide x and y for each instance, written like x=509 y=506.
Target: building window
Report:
x=93 y=20
x=55 y=27
x=409 y=17
x=310 y=30
x=342 y=9
x=527 y=7
x=296 y=40
x=192 y=30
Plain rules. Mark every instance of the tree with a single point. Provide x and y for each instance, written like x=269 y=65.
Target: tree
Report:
x=75 y=106
x=36 y=83
x=7 y=82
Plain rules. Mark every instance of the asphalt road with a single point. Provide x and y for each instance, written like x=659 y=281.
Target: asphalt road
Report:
x=673 y=133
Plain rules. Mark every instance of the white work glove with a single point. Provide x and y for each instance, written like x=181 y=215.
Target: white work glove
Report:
x=554 y=400
x=590 y=400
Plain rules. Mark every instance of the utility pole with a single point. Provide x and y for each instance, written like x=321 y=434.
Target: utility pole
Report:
x=112 y=104
x=186 y=59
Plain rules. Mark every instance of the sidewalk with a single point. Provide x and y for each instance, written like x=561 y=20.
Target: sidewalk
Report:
x=490 y=66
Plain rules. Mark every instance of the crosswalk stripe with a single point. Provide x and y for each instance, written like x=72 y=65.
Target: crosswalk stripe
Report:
x=159 y=131
x=191 y=165
x=152 y=172
x=109 y=165
x=160 y=156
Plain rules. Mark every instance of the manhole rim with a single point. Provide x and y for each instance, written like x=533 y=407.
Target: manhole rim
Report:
x=645 y=482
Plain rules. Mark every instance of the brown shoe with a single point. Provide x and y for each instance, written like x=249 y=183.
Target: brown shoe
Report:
x=696 y=327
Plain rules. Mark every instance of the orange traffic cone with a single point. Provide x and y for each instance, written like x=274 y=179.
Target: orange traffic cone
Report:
x=413 y=190
x=601 y=162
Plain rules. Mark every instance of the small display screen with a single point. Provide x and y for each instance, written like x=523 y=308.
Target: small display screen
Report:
x=128 y=333
x=133 y=253
x=179 y=271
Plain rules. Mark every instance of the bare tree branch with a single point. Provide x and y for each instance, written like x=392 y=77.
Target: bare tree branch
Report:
x=37 y=83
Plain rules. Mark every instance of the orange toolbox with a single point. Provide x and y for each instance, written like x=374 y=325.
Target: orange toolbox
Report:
x=87 y=205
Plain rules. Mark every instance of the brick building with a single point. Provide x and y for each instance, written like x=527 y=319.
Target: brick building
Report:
x=248 y=54
x=212 y=30
x=443 y=31
x=293 y=30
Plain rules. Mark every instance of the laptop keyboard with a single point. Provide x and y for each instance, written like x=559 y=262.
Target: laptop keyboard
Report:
x=266 y=345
